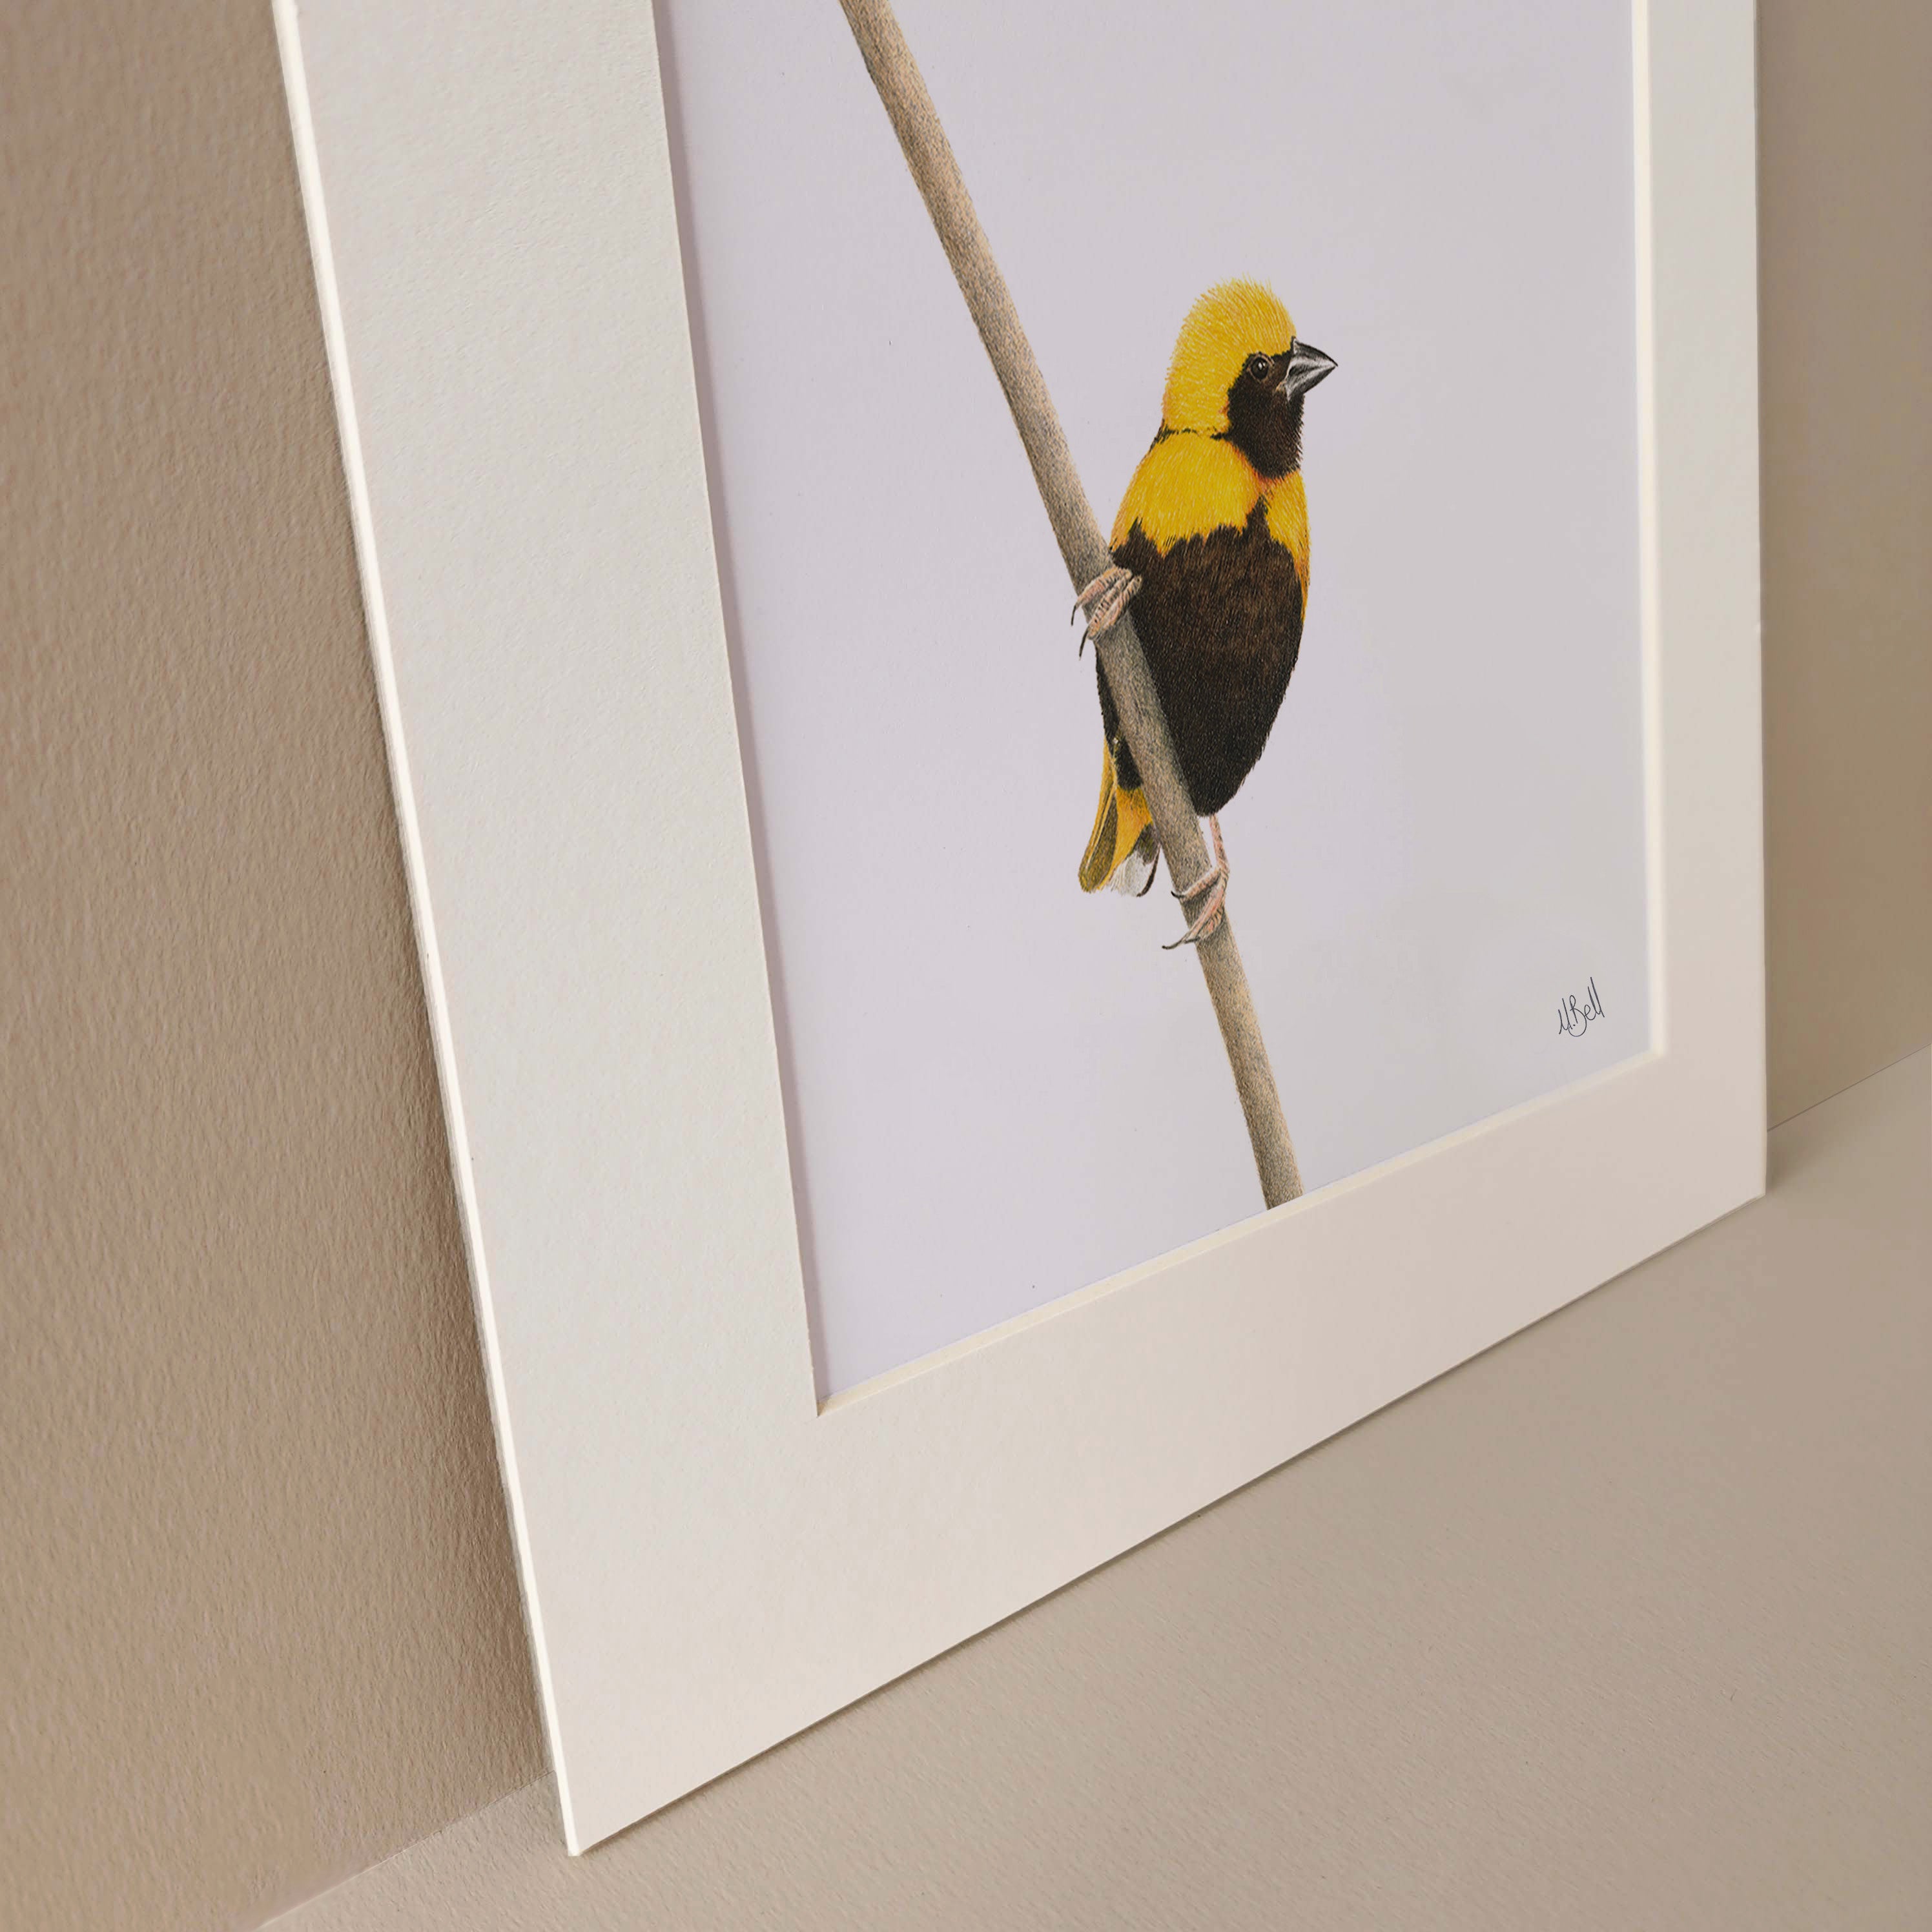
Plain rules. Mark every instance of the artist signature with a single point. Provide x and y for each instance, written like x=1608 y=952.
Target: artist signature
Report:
x=1574 y=1014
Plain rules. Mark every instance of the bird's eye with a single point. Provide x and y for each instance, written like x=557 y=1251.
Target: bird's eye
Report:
x=1260 y=368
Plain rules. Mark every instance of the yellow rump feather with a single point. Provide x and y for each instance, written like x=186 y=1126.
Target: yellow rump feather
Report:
x=1123 y=816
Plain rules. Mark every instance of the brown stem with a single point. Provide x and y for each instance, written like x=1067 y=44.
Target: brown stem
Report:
x=929 y=155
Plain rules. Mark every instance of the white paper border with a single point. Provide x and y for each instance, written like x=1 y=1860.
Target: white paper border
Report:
x=710 y=1561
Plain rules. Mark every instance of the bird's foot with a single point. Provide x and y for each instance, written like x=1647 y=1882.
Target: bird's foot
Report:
x=1103 y=600
x=1214 y=883
x=1207 y=921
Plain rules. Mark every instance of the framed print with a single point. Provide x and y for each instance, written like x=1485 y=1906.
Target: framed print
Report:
x=895 y=1182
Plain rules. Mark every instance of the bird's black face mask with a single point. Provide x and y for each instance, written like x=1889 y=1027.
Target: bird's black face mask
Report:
x=1264 y=405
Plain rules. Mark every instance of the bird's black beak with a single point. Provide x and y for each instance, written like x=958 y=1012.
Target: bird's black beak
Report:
x=1307 y=366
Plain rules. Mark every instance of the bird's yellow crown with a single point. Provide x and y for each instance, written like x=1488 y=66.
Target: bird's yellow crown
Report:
x=1228 y=324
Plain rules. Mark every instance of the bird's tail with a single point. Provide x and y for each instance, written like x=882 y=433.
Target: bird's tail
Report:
x=1122 y=847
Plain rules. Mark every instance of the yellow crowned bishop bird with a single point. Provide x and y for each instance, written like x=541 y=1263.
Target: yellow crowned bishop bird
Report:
x=1211 y=546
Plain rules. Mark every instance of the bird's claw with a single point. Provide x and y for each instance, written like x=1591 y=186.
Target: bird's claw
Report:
x=1214 y=883
x=1103 y=600
x=1207 y=921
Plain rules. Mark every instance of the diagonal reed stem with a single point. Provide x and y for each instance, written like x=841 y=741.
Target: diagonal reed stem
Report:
x=929 y=155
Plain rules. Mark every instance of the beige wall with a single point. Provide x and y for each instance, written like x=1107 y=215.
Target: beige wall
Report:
x=1845 y=182
x=259 y=1625
x=259 y=1619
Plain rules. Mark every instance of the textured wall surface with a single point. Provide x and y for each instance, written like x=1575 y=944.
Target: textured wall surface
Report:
x=257 y=1621
x=260 y=1622
x=1845 y=273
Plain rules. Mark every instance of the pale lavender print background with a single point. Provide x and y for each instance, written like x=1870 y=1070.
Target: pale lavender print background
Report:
x=999 y=1089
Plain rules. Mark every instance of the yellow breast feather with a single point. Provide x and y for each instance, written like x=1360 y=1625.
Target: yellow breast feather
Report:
x=1186 y=486
x=1288 y=522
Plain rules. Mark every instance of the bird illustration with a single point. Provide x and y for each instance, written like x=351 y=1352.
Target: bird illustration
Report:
x=1211 y=546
